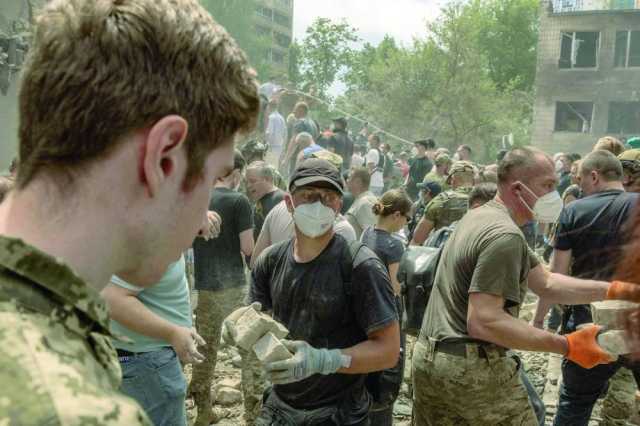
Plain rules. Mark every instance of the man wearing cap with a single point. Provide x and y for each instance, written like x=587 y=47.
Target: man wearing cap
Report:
x=464 y=372
x=441 y=172
x=449 y=206
x=337 y=302
x=343 y=143
x=631 y=166
x=419 y=166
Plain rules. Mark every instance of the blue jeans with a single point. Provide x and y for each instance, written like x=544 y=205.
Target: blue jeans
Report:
x=155 y=380
x=580 y=390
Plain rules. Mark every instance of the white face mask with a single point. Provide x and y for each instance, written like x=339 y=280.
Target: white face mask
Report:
x=456 y=157
x=548 y=207
x=314 y=220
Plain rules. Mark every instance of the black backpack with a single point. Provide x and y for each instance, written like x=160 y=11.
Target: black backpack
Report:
x=383 y=386
x=417 y=273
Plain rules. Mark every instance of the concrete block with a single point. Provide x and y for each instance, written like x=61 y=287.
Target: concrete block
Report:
x=611 y=313
x=252 y=325
x=270 y=349
x=614 y=342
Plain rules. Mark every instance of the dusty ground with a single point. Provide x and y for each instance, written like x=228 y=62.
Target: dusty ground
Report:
x=542 y=369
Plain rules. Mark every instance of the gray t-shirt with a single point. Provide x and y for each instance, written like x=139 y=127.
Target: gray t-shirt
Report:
x=487 y=253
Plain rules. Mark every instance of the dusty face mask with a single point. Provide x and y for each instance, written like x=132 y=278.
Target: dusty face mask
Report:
x=547 y=208
x=314 y=220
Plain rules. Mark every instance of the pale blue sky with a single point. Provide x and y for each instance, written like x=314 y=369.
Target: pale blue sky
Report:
x=403 y=19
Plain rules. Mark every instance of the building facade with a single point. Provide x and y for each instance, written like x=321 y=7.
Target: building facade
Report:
x=274 y=22
x=588 y=73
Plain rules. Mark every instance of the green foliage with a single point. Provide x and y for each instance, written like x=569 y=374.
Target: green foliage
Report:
x=326 y=50
x=237 y=17
x=293 y=71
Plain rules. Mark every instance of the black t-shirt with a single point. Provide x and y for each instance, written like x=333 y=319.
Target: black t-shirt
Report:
x=218 y=262
x=312 y=301
x=418 y=169
x=388 y=248
x=593 y=229
x=263 y=207
x=344 y=148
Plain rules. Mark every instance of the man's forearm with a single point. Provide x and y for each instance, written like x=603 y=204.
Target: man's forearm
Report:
x=374 y=354
x=135 y=316
x=567 y=290
x=542 y=308
x=509 y=332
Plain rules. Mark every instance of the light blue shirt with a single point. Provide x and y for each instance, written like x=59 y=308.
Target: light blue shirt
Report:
x=169 y=299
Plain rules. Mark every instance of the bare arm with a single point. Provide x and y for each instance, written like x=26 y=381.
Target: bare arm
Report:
x=558 y=288
x=246 y=242
x=393 y=273
x=420 y=234
x=380 y=351
x=488 y=321
x=130 y=312
x=560 y=263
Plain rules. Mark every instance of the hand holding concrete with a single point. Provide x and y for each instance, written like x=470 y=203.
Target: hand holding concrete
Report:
x=306 y=361
x=229 y=322
x=584 y=349
x=620 y=290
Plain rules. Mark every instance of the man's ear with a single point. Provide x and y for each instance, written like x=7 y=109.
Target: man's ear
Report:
x=161 y=155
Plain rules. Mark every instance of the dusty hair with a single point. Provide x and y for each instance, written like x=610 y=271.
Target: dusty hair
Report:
x=99 y=70
x=6 y=185
x=605 y=163
x=302 y=107
x=611 y=144
x=519 y=163
x=482 y=193
x=362 y=174
x=263 y=169
x=395 y=200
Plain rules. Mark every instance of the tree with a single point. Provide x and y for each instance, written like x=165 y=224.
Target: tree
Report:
x=237 y=18
x=293 y=71
x=326 y=52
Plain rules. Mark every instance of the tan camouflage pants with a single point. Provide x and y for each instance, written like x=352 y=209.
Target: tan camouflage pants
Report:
x=455 y=391
x=619 y=403
x=213 y=308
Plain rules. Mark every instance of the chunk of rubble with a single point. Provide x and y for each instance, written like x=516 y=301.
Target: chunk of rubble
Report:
x=614 y=342
x=611 y=313
x=252 y=326
x=270 y=349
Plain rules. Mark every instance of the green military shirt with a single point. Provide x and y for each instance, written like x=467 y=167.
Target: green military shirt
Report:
x=487 y=253
x=448 y=207
x=57 y=363
x=435 y=177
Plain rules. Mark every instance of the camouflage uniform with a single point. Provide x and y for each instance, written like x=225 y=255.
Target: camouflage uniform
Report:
x=483 y=384
x=435 y=177
x=448 y=207
x=213 y=308
x=57 y=363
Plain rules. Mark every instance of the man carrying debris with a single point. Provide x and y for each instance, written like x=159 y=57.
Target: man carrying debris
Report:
x=337 y=302
x=463 y=371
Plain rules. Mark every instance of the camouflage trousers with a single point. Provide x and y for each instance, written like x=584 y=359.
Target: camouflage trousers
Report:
x=452 y=390
x=213 y=308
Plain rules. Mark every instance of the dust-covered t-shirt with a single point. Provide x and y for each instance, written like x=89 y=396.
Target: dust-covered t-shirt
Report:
x=313 y=302
x=487 y=253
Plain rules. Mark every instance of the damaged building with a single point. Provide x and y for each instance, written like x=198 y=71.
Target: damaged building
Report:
x=588 y=73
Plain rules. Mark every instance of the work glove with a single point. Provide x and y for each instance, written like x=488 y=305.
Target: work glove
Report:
x=230 y=321
x=305 y=362
x=584 y=349
x=620 y=290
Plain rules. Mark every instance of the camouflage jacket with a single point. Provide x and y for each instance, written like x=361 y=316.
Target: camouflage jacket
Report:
x=448 y=207
x=57 y=363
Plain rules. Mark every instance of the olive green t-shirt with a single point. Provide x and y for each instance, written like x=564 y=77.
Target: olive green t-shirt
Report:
x=487 y=253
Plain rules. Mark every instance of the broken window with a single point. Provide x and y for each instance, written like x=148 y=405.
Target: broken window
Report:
x=579 y=50
x=574 y=117
x=627 y=49
x=624 y=118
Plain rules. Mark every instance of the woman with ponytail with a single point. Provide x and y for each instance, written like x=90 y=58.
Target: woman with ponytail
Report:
x=392 y=211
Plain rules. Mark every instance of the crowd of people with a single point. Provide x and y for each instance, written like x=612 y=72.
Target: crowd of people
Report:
x=119 y=201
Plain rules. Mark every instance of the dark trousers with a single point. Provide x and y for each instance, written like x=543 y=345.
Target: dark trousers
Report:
x=580 y=390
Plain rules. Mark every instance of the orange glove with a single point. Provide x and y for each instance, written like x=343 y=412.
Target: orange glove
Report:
x=620 y=290
x=584 y=349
